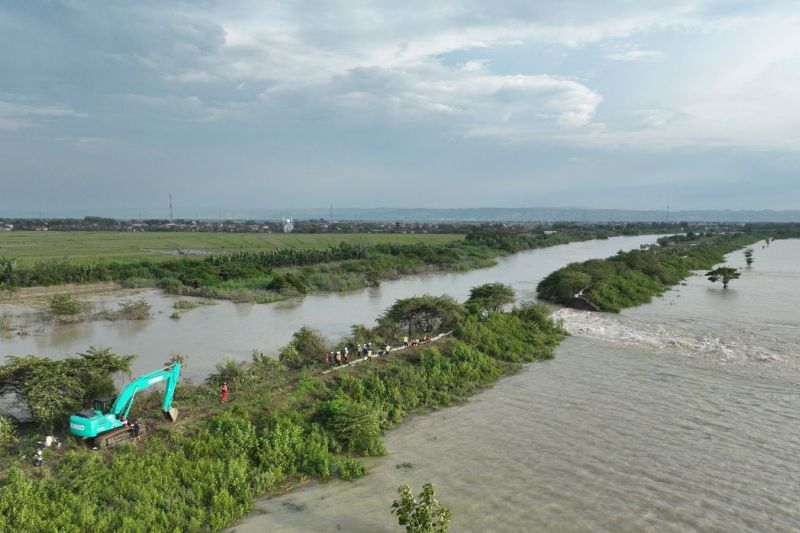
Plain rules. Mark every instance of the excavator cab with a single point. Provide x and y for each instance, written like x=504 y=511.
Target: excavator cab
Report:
x=103 y=404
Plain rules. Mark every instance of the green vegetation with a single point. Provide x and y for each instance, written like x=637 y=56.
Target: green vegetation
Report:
x=77 y=247
x=423 y=314
x=8 y=433
x=185 y=304
x=279 y=423
x=632 y=278
x=305 y=349
x=263 y=274
x=130 y=310
x=66 y=305
x=423 y=514
x=491 y=296
x=53 y=389
x=6 y=323
x=726 y=274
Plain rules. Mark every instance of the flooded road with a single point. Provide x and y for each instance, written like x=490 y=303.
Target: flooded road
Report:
x=208 y=333
x=680 y=415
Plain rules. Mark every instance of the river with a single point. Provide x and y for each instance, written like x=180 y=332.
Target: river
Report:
x=206 y=334
x=680 y=415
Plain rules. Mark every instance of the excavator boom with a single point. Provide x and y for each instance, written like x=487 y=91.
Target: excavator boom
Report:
x=100 y=421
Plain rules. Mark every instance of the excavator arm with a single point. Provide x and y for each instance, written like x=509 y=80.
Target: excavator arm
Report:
x=107 y=424
x=124 y=402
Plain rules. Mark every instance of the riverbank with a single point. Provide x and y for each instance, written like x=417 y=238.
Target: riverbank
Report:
x=268 y=276
x=280 y=424
x=629 y=279
x=208 y=333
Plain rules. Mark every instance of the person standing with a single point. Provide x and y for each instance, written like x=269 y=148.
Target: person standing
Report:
x=224 y=391
x=135 y=427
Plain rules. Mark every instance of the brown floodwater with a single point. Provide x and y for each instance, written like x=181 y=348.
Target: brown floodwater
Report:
x=680 y=415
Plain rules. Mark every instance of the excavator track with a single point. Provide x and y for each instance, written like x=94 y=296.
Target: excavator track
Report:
x=118 y=436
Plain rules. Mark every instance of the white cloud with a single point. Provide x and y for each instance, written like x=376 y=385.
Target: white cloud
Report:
x=15 y=115
x=637 y=55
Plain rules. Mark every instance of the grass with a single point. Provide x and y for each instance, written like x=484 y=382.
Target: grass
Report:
x=29 y=247
x=6 y=323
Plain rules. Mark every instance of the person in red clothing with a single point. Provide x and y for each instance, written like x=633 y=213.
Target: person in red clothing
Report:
x=224 y=391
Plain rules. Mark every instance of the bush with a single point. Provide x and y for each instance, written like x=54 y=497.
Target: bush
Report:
x=66 y=305
x=307 y=348
x=348 y=468
x=8 y=432
x=229 y=371
x=6 y=323
x=356 y=426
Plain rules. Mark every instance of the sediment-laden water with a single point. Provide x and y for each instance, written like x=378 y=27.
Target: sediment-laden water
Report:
x=681 y=415
x=208 y=333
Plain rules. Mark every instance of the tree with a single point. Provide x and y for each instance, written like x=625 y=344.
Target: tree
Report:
x=423 y=515
x=564 y=284
x=726 y=274
x=491 y=296
x=748 y=256
x=52 y=389
x=424 y=314
x=306 y=348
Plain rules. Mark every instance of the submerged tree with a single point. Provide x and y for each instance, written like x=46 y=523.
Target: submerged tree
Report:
x=422 y=515
x=726 y=274
x=748 y=256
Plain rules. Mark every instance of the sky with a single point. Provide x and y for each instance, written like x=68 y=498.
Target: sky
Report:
x=226 y=104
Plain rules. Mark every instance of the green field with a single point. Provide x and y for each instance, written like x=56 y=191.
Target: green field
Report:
x=29 y=247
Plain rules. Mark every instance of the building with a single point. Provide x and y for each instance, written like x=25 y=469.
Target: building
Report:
x=288 y=225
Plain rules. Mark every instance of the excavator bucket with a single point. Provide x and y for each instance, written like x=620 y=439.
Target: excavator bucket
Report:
x=171 y=415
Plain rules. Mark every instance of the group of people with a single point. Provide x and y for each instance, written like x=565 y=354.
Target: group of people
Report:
x=134 y=425
x=413 y=343
x=342 y=357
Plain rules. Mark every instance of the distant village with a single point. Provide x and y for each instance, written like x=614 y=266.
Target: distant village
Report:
x=287 y=225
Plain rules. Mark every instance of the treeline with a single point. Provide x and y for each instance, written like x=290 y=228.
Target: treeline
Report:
x=632 y=278
x=280 y=424
x=268 y=276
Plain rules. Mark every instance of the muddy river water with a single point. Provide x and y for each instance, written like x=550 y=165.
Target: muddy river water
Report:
x=680 y=415
x=206 y=334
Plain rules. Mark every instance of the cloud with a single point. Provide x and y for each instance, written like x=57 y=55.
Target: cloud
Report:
x=15 y=115
x=637 y=55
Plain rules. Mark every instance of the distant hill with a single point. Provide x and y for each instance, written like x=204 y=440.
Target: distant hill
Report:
x=477 y=214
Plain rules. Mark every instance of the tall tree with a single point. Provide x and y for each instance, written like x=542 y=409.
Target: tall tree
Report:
x=424 y=314
x=726 y=274
x=491 y=296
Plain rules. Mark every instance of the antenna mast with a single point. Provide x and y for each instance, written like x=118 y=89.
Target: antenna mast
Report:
x=171 y=218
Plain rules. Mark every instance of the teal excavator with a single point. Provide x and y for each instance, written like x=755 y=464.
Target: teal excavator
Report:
x=102 y=425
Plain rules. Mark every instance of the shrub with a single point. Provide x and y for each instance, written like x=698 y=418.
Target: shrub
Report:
x=8 y=432
x=356 y=426
x=306 y=348
x=66 y=305
x=348 y=468
x=6 y=323
x=230 y=371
